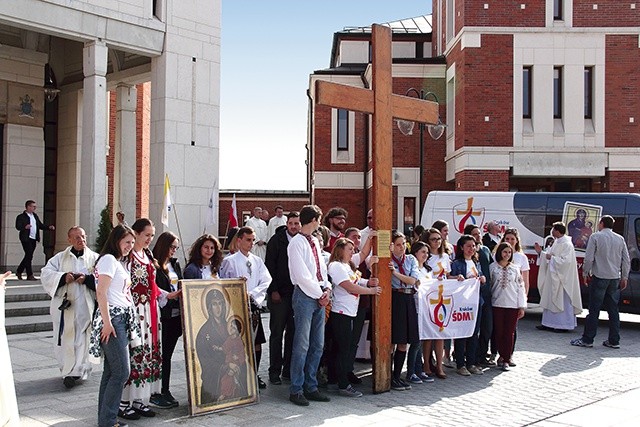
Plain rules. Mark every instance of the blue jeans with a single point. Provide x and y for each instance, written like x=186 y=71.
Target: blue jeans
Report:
x=115 y=373
x=308 y=341
x=603 y=292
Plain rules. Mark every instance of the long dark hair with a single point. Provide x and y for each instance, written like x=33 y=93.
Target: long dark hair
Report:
x=195 y=256
x=426 y=238
x=460 y=250
x=112 y=245
x=416 y=246
x=161 y=248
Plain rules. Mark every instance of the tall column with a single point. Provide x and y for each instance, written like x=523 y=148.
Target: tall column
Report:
x=125 y=176
x=93 y=183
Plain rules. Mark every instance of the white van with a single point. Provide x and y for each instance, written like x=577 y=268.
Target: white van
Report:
x=534 y=213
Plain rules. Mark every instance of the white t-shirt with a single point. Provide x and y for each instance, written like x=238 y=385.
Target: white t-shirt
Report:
x=472 y=271
x=440 y=265
x=343 y=301
x=521 y=261
x=119 y=292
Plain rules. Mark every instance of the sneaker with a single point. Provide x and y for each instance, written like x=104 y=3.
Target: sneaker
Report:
x=449 y=363
x=316 y=396
x=505 y=367
x=299 y=399
x=425 y=378
x=353 y=378
x=397 y=385
x=414 y=379
x=142 y=409
x=512 y=363
x=463 y=371
x=475 y=370
x=350 y=392
x=579 y=343
x=492 y=359
x=158 y=401
x=406 y=385
x=608 y=344
x=128 y=413
x=169 y=398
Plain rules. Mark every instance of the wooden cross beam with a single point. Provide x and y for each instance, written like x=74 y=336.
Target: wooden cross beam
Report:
x=384 y=106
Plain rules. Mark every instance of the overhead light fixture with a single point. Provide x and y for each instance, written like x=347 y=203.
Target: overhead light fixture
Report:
x=51 y=90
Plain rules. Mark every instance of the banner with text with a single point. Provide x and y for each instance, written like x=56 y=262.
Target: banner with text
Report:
x=447 y=308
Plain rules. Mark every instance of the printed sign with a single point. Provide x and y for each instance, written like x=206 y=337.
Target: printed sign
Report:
x=447 y=308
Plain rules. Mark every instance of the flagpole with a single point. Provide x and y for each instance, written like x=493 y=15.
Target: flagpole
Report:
x=175 y=213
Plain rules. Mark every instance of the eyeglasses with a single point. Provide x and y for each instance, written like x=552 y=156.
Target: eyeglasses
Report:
x=249 y=267
x=340 y=218
x=435 y=239
x=174 y=247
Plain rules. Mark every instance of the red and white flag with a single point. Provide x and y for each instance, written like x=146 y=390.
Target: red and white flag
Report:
x=233 y=213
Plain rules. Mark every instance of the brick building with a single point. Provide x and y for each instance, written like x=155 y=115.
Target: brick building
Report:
x=539 y=95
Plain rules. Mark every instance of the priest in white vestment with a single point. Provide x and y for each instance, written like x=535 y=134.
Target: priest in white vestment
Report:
x=277 y=221
x=261 y=230
x=68 y=279
x=558 y=282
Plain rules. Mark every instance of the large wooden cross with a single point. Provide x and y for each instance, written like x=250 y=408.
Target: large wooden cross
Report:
x=384 y=106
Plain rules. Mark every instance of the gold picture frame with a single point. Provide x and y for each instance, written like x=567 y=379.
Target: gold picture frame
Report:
x=218 y=345
x=582 y=221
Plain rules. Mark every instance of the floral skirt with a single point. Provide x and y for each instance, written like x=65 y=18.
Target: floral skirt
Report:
x=133 y=329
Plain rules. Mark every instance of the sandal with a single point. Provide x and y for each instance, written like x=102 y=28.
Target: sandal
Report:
x=128 y=413
x=142 y=409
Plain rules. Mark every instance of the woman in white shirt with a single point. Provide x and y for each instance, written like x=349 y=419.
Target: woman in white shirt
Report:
x=508 y=299
x=440 y=263
x=115 y=323
x=347 y=288
x=512 y=237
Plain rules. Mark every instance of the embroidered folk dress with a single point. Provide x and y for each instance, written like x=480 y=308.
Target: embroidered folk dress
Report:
x=146 y=360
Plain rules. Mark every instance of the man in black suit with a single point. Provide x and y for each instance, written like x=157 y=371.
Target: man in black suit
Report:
x=29 y=225
x=280 y=299
x=492 y=237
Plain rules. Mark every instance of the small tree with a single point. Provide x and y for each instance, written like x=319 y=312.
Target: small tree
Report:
x=104 y=228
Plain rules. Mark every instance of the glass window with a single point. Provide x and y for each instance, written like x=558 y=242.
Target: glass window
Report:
x=557 y=92
x=343 y=130
x=409 y=216
x=526 y=92
x=588 y=92
x=557 y=10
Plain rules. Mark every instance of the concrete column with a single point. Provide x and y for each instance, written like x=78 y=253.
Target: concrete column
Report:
x=125 y=164
x=93 y=184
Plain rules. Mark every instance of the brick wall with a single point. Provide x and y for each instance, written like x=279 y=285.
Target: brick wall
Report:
x=473 y=180
x=488 y=92
x=618 y=181
x=351 y=200
x=112 y=151
x=610 y=13
x=143 y=137
x=322 y=142
x=505 y=13
x=623 y=88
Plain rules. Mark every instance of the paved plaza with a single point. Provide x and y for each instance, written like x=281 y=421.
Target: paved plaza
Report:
x=554 y=384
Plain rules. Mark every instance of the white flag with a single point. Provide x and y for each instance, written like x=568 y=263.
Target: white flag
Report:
x=447 y=308
x=166 y=204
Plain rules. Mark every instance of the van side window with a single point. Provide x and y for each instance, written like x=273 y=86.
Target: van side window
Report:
x=638 y=233
x=618 y=226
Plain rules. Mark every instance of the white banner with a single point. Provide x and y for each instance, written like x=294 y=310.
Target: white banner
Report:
x=447 y=308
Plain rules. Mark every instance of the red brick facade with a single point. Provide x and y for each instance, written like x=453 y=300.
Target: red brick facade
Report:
x=623 y=89
x=474 y=180
x=609 y=13
x=507 y=13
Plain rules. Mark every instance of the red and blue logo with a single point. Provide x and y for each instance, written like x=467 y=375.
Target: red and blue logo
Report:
x=466 y=213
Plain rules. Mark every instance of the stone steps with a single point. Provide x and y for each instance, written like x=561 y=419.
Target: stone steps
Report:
x=26 y=307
